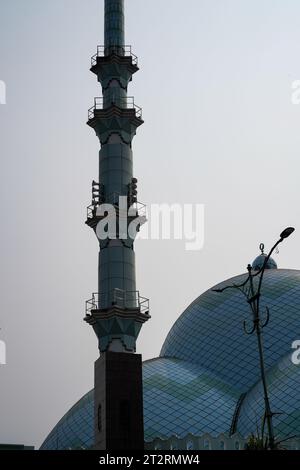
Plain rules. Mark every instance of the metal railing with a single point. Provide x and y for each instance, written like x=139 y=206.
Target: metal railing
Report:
x=117 y=297
x=122 y=51
x=120 y=102
x=113 y=199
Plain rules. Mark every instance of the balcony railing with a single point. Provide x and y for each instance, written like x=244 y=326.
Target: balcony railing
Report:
x=141 y=209
x=119 y=298
x=122 y=103
x=123 y=51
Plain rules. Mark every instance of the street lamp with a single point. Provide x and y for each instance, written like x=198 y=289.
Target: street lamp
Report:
x=253 y=298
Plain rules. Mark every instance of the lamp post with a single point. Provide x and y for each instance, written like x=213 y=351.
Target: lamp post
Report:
x=253 y=298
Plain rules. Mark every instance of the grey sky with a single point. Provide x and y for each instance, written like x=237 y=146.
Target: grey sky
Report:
x=220 y=129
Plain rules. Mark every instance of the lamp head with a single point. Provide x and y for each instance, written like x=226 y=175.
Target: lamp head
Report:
x=287 y=232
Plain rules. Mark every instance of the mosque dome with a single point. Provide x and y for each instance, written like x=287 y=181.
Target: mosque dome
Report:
x=207 y=378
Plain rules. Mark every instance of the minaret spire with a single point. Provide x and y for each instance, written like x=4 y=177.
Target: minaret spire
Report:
x=114 y=29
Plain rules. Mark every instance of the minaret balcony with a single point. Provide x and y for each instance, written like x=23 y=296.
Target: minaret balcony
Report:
x=122 y=106
x=120 y=300
x=120 y=52
x=114 y=62
x=139 y=209
x=118 y=115
x=117 y=315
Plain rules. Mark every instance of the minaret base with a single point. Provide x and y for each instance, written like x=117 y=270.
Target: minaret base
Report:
x=119 y=423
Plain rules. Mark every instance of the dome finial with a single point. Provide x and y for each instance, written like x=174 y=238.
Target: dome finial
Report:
x=262 y=247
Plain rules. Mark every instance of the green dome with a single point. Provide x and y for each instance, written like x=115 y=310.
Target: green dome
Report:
x=207 y=378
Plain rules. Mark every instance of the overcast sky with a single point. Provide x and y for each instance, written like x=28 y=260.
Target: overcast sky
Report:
x=220 y=129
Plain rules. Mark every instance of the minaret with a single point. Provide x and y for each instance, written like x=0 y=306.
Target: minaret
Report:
x=117 y=311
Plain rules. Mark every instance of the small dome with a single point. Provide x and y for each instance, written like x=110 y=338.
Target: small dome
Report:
x=259 y=261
